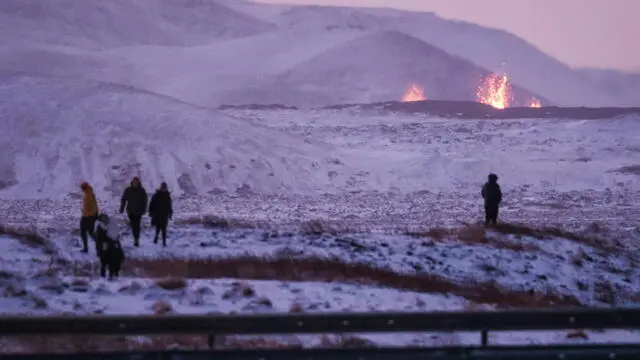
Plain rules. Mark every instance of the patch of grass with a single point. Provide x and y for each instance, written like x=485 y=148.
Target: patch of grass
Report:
x=65 y=344
x=334 y=270
x=631 y=170
x=322 y=227
x=476 y=234
x=472 y=235
x=546 y=233
x=345 y=342
x=216 y=222
x=171 y=283
x=27 y=235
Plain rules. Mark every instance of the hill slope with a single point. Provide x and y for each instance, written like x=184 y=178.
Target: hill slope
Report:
x=58 y=132
x=94 y=24
x=373 y=67
x=493 y=49
x=211 y=52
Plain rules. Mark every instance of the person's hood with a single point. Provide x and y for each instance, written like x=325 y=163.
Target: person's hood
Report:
x=134 y=180
x=86 y=188
x=163 y=188
x=493 y=178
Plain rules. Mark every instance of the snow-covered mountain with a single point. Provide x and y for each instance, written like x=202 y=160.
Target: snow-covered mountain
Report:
x=58 y=131
x=212 y=52
x=356 y=69
x=97 y=25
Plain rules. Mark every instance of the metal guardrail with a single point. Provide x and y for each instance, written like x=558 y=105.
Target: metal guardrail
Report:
x=214 y=325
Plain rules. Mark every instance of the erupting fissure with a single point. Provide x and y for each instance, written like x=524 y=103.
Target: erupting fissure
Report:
x=495 y=90
x=414 y=93
x=534 y=103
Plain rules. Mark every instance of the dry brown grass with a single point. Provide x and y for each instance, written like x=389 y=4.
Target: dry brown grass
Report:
x=239 y=289
x=308 y=228
x=472 y=235
x=212 y=221
x=62 y=344
x=577 y=334
x=162 y=308
x=91 y=343
x=333 y=270
x=632 y=170
x=323 y=227
x=476 y=234
x=171 y=283
x=28 y=235
x=345 y=342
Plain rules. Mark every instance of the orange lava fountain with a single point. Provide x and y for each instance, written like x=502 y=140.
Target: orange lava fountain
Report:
x=414 y=93
x=535 y=103
x=495 y=90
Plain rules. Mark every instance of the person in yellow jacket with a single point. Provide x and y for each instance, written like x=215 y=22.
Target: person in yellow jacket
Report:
x=89 y=215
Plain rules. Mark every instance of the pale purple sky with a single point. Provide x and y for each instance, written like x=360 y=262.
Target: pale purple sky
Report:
x=582 y=33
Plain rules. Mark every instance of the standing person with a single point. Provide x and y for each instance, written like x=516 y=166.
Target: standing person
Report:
x=161 y=210
x=492 y=195
x=89 y=215
x=135 y=199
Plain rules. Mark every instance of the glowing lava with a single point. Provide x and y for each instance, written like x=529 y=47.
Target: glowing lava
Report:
x=414 y=93
x=534 y=103
x=495 y=90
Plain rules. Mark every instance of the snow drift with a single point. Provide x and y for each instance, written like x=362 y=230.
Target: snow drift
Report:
x=57 y=132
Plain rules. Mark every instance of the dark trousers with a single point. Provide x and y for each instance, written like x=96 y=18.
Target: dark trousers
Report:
x=87 y=224
x=161 y=229
x=135 y=221
x=491 y=214
x=112 y=268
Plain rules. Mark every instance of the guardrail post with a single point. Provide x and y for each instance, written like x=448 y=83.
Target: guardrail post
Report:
x=484 y=337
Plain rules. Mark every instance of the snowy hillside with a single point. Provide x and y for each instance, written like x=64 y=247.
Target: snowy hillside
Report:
x=94 y=24
x=233 y=52
x=359 y=168
x=492 y=49
x=58 y=132
x=362 y=70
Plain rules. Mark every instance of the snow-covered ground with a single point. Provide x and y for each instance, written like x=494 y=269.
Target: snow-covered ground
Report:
x=52 y=277
x=279 y=166
x=111 y=95
x=409 y=175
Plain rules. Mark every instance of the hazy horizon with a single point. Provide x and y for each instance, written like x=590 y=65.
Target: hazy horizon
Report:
x=600 y=35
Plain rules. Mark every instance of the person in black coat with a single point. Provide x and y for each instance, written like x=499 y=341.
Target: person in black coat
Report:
x=492 y=195
x=135 y=199
x=161 y=210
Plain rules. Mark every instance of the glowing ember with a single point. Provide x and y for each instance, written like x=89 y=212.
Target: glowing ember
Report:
x=535 y=103
x=495 y=90
x=414 y=93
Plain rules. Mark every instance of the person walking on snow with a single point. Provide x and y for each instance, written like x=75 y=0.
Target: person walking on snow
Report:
x=161 y=211
x=492 y=195
x=135 y=200
x=89 y=215
x=108 y=246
